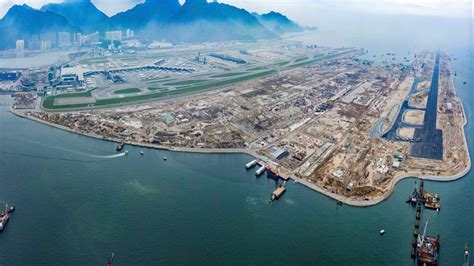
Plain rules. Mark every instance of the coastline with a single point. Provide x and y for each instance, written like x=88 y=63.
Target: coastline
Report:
x=349 y=201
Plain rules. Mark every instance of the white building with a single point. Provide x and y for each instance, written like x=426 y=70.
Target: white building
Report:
x=46 y=45
x=64 y=39
x=20 y=45
x=113 y=35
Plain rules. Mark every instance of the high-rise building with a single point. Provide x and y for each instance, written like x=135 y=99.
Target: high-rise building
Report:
x=46 y=45
x=49 y=37
x=113 y=35
x=64 y=39
x=78 y=39
x=34 y=44
x=129 y=34
x=20 y=45
x=92 y=38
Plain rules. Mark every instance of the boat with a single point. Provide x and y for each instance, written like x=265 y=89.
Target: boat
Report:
x=120 y=146
x=164 y=159
x=126 y=152
x=464 y=83
x=141 y=153
x=382 y=232
x=339 y=203
x=466 y=255
x=11 y=209
x=110 y=261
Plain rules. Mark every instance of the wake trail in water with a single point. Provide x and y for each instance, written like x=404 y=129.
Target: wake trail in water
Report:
x=50 y=157
x=51 y=147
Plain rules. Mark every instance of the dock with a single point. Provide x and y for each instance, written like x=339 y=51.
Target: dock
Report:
x=273 y=172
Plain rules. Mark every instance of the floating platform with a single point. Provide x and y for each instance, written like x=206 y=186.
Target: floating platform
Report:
x=278 y=193
x=251 y=164
x=261 y=170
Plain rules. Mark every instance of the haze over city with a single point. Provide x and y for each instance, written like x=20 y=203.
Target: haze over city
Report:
x=236 y=132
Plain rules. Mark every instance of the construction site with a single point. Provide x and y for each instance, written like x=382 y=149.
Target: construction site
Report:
x=339 y=124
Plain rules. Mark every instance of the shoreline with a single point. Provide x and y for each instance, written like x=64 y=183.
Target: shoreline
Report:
x=356 y=202
x=348 y=201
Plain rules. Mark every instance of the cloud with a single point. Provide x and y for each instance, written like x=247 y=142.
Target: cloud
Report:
x=303 y=10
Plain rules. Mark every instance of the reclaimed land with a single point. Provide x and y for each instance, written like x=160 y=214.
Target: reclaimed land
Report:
x=48 y=102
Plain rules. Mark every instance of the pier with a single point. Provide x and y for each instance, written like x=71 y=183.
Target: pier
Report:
x=273 y=173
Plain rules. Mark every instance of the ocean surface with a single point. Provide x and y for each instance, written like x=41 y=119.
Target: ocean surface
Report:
x=78 y=201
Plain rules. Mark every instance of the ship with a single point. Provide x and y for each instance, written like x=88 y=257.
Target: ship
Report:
x=120 y=146
x=414 y=196
x=4 y=217
x=427 y=248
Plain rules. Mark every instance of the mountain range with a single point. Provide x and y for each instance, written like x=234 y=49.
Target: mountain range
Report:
x=194 y=21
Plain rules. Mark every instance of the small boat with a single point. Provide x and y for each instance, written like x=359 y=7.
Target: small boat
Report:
x=466 y=252
x=437 y=210
x=339 y=203
x=382 y=232
x=120 y=146
x=141 y=153
x=11 y=209
x=126 y=152
x=464 y=83
x=110 y=261
x=164 y=159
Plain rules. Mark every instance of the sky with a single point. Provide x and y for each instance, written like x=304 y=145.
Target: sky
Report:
x=304 y=11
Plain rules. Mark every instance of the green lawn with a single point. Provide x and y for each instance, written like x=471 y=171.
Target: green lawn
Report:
x=301 y=59
x=226 y=75
x=257 y=68
x=125 y=91
x=184 y=82
x=94 y=60
x=49 y=101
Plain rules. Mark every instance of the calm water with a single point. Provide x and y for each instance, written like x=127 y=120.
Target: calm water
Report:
x=76 y=206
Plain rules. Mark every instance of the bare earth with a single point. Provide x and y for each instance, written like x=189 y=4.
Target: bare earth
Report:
x=317 y=115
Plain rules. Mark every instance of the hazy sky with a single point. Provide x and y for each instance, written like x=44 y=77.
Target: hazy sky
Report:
x=304 y=11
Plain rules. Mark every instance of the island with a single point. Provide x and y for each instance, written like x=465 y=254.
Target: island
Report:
x=330 y=119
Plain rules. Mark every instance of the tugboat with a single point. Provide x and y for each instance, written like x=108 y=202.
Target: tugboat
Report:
x=110 y=261
x=466 y=255
x=120 y=146
x=4 y=217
